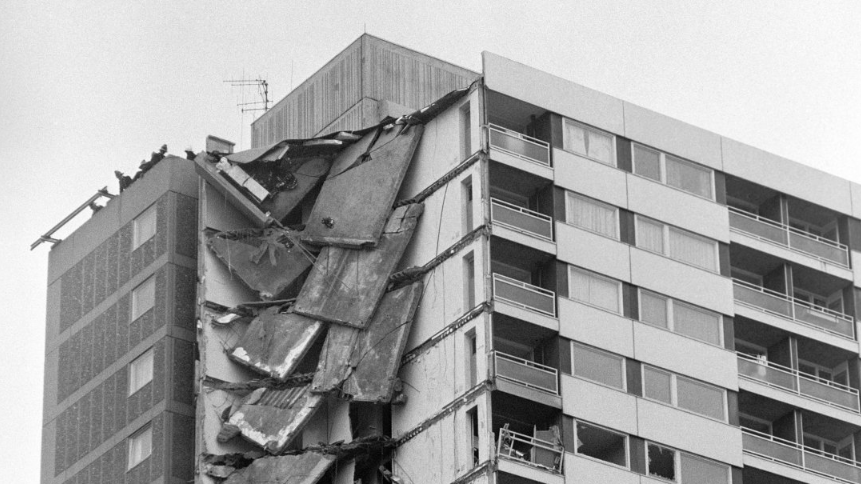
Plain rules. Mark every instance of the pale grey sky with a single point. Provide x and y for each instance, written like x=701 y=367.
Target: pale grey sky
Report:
x=87 y=87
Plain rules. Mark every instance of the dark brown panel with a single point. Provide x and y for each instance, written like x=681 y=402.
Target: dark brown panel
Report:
x=720 y=187
x=623 y=154
x=634 y=377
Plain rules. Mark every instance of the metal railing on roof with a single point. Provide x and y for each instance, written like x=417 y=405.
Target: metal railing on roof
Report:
x=47 y=237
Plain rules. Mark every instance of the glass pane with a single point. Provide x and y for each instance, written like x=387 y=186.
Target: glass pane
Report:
x=700 y=398
x=601 y=444
x=688 y=248
x=594 y=290
x=575 y=138
x=696 y=323
x=653 y=309
x=656 y=385
x=144 y=227
x=647 y=162
x=662 y=462
x=593 y=216
x=598 y=366
x=689 y=177
x=143 y=298
x=650 y=235
x=702 y=471
x=600 y=147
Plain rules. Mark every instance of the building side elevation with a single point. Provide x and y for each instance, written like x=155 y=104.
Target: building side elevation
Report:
x=577 y=289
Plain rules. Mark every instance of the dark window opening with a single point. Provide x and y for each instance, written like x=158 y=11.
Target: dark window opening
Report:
x=662 y=462
x=601 y=444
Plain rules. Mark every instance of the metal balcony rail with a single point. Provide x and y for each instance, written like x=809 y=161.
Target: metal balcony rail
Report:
x=529 y=450
x=800 y=456
x=524 y=372
x=524 y=295
x=798 y=310
x=519 y=145
x=809 y=386
x=521 y=219
x=797 y=240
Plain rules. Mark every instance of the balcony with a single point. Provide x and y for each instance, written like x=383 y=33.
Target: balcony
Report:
x=530 y=450
x=519 y=145
x=521 y=219
x=794 y=381
x=797 y=455
x=526 y=373
x=524 y=295
x=801 y=311
x=797 y=240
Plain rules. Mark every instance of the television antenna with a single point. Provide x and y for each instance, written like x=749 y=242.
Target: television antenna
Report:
x=262 y=90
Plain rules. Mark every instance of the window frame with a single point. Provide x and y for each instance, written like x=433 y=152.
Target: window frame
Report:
x=662 y=169
x=135 y=296
x=670 y=304
x=677 y=463
x=674 y=392
x=589 y=129
x=137 y=223
x=626 y=466
x=569 y=196
x=620 y=303
x=665 y=242
x=621 y=359
x=134 y=385
x=133 y=460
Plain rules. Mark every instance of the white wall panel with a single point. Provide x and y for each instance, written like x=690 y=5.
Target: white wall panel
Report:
x=673 y=136
x=590 y=178
x=593 y=252
x=596 y=327
x=599 y=404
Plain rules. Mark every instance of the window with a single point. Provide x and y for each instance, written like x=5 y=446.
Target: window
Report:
x=140 y=371
x=676 y=243
x=602 y=444
x=469 y=281
x=680 y=317
x=588 y=142
x=685 y=393
x=466 y=204
x=143 y=298
x=144 y=227
x=662 y=463
x=673 y=171
x=599 y=366
x=472 y=416
x=465 y=131
x=593 y=215
x=590 y=288
x=140 y=446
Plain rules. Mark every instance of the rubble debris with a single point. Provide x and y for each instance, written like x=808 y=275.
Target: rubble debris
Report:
x=334 y=364
x=307 y=468
x=267 y=261
x=292 y=381
x=204 y=165
x=275 y=342
x=358 y=215
x=345 y=285
x=274 y=420
x=242 y=179
x=125 y=180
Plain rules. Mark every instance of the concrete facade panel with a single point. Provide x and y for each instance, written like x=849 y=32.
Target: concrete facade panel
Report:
x=593 y=252
x=599 y=404
x=787 y=176
x=675 y=207
x=681 y=281
x=553 y=93
x=855 y=191
x=596 y=327
x=591 y=178
x=672 y=136
x=592 y=470
x=670 y=426
x=686 y=356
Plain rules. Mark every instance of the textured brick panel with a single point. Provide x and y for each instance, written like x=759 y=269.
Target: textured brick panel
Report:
x=60 y=445
x=183 y=376
x=113 y=279
x=161 y=297
x=184 y=296
x=109 y=419
x=160 y=238
x=100 y=273
x=96 y=435
x=123 y=316
x=86 y=355
x=88 y=278
x=158 y=371
x=124 y=255
x=84 y=425
x=121 y=391
x=182 y=442
x=159 y=452
x=186 y=226
x=110 y=337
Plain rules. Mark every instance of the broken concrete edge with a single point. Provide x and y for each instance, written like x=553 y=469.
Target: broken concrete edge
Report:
x=207 y=171
x=465 y=398
x=425 y=345
x=270 y=383
x=411 y=274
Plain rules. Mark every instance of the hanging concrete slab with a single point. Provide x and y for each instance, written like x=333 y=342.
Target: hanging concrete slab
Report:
x=275 y=343
x=267 y=261
x=307 y=174
x=307 y=468
x=334 y=364
x=205 y=166
x=277 y=417
x=360 y=190
x=377 y=356
x=345 y=285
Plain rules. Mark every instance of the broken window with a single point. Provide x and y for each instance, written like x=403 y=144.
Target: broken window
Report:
x=144 y=227
x=140 y=371
x=469 y=281
x=140 y=446
x=472 y=417
x=662 y=462
x=472 y=370
x=466 y=197
x=143 y=298
x=602 y=444
x=465 y=131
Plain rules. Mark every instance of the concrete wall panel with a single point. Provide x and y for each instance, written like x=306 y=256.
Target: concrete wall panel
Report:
x=593 y=470
x=673 y=136
x=596 y=327
x=598 y=404
x=590 y=178
x=593 y=252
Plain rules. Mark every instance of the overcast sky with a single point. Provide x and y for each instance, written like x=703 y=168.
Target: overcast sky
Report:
x=88 y=87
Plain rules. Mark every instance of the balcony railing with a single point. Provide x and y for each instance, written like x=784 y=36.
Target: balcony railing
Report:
x=529 y=450
x=794 y=381
x=526 y=373
x=521 y=219
x=782 y=305
x=797 y=455
x=524 y=295
x=796 y=240
x=518 y=144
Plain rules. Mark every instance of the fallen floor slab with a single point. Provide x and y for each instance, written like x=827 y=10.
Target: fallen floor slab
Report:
x=277 y=417
x=307 y=468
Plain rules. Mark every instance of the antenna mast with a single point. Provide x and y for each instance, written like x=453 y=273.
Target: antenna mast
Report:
x=262 y=89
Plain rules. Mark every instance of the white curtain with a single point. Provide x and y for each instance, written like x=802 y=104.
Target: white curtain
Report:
x=693 y=250
x=575 y=138
x=600 y=147
x=594 y=290
x=688 y=177
x=593 y=216
x=650 y=235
